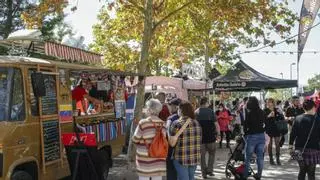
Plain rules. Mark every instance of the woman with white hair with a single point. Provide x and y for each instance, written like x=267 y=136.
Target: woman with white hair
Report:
x=148 y=167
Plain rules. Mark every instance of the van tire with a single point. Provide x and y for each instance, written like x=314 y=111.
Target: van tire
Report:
x=21 y=175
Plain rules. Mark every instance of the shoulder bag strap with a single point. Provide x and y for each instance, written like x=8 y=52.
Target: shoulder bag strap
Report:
x=305 y=145
x=183 y=127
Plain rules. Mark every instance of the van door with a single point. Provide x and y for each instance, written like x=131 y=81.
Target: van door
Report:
x=47 y=110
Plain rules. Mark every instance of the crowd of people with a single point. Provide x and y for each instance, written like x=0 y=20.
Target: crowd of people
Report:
x=192 y=132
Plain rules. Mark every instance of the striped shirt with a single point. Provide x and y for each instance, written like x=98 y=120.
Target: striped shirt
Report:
x=187 y=150
x=144 y=134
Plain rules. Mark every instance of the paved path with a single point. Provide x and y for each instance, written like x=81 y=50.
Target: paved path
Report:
x=288 y=170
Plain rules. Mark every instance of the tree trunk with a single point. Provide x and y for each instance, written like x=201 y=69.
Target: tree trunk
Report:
x=146 y=39
x=8 y=22
x=158 y=66
x=167 y=69
x=206 y=61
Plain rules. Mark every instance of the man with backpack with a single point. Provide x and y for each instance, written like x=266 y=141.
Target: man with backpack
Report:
x=210 y=132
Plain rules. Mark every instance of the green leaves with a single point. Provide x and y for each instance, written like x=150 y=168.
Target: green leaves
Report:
x=313 y=83
x=183 y=29
x=45 y=15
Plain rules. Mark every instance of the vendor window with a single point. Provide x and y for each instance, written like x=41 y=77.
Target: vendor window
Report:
x=34 y=100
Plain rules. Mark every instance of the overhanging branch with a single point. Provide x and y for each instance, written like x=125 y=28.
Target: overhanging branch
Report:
x=135 y=4
x=171 y=14
x=160 y=4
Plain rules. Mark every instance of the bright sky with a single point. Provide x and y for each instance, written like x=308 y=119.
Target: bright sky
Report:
x=270 y=64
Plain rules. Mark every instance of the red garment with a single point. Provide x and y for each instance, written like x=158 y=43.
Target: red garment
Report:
x=78 y=93
x=79 y=106
x=126 y=95
x=165 y=113
x=224 y=119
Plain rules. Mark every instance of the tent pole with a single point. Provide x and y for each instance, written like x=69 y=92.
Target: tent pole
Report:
x=298 y=66
x=262 y=98
x=205 y=91
x=213 y=99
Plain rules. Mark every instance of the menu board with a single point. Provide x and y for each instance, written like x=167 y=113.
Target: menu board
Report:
x=49 y=102
x=51 y=140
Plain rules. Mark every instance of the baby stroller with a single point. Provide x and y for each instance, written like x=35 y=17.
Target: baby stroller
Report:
x=235 y=164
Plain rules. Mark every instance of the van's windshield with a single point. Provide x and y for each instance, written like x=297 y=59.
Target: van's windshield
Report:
x=5 y=86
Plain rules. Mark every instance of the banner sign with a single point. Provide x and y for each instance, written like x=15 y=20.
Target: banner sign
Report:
x=308 y=14
x=227 y=85
x=70 y=139
x=195 y=71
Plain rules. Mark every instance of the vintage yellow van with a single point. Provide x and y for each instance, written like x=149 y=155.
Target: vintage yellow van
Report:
x=31 y=125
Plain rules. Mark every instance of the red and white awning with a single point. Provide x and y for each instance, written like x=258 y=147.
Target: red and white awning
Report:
x=71 y=54
x=55 y=50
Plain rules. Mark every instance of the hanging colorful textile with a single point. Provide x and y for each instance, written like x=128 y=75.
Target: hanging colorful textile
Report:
x=107 y=131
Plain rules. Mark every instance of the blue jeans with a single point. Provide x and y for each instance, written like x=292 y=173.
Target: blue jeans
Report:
x=171 y=170
x=184 y=172
x=255 y=143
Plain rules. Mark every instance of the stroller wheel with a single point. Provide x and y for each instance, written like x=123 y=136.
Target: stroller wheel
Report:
x=228 y=172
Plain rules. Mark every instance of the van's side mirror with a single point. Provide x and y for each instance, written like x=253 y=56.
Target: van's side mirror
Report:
x=39 y=88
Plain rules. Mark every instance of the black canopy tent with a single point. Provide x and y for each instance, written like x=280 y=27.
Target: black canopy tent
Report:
x=241 y=77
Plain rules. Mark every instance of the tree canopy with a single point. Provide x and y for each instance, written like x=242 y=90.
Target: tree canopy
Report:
x=186 y=30
x=177 y=31
x=280 y=94
x=313 y=83
x=45 y=15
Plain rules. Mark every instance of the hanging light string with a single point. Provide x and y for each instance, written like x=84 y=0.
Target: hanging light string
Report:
x=281 y=52
x=280 y=42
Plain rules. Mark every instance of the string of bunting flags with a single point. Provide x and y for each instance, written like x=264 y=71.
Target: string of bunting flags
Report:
x=281 y=42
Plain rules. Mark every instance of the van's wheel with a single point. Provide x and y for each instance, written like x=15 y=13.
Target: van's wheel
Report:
x=105 y=172
x=21 y=175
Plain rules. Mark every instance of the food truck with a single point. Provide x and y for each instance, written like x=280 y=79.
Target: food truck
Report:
x=37 y=109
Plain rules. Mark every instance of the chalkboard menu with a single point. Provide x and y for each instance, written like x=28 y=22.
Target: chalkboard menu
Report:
x=51 y=140
x=49 y=102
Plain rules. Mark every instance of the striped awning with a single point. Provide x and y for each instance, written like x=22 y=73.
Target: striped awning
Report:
x=71 y=54
x=56 y=50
